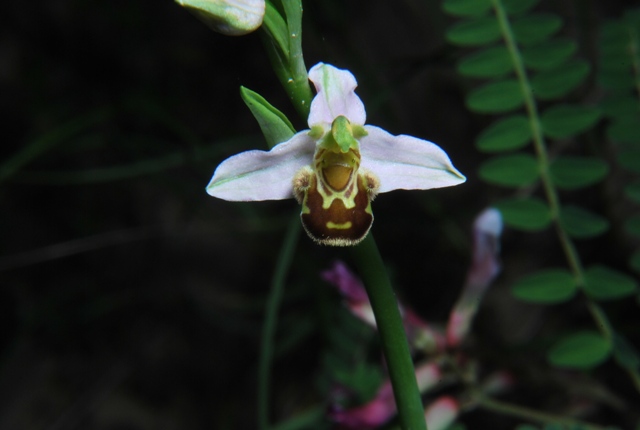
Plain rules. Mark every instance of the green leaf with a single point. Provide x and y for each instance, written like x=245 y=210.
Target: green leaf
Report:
x=613 y=35
x=625 y=129
x=548 y=54
x=624 y=353
x=276 y=28
x=604 y=283
x=570 y=173
x=582 y=350
x=632 y=225
x=630 y=160
x=274 y=124
x=547 y=286
x=580 y=223
x=616 y=80
x=535 y=28
x=496 y=97
x=562 y=121
x=475 y=32
x=558 y=82
x=517 y=7
x=617 y=60
x=510 y=170
x=529 y=214
x=526 y=427
x=632 y=191
x=512 y=132
x=620 y=105
x=467 y=8
x=490 y=63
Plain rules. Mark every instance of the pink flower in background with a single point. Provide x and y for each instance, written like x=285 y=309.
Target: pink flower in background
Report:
x=442 y=413
x=420 y=334
x=484 y=268
x=383 y=406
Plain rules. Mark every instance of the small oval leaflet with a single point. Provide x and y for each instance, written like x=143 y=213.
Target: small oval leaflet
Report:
x=566 y=120
x=582 y=350
x=496 y=97
x=604 y=283
x=530 y=214
x=571 y=172
x=546 y=286
x=580 y=223
x=474 y=32
x=512 y=132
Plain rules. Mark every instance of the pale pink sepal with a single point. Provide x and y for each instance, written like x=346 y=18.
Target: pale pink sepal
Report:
x=441 y=413
x=428 y=375
x=336 y=96
x=406 y=162
x=261 y=175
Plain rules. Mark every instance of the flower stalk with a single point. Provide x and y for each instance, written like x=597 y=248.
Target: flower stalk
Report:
x=392 y=334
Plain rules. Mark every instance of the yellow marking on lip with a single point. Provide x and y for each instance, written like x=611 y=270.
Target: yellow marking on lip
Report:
x=339 y=226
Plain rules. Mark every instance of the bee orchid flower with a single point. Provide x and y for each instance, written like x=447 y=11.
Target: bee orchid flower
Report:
x=337 y=167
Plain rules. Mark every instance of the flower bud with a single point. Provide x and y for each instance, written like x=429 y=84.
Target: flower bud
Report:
x=229 y=17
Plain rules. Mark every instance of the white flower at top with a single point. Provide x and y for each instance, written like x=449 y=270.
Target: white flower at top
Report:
x=336 y=168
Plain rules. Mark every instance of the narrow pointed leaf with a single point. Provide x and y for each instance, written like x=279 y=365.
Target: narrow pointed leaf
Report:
x=568 y=120
x=547 y=286
x=630 y=160
x=275 y=126
x=474 y=32
x=582 y=350
x=632 y=225
x=512 y=132
x=490 y=63
x=514 y=170
x=548 y=54
x=571 y=173
x=604 y=283
x=580 y=223
x=535 y=28
x=625 y=129
x=496 y=97
x=526 y=214
x=467 y=8
x=560 y=81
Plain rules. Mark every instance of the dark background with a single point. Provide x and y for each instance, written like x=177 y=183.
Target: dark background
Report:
x=129 y=298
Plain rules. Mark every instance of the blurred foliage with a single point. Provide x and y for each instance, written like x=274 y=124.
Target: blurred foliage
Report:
x=133 y=300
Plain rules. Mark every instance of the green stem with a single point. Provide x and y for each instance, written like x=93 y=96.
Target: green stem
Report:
x=598 y=315
x=532 y=414
x=538 y=142
x=285 y=257
x=392 y=334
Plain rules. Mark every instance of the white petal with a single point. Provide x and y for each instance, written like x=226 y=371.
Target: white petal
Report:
x=336 y=96
x=406 y=162
x=262 y=175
